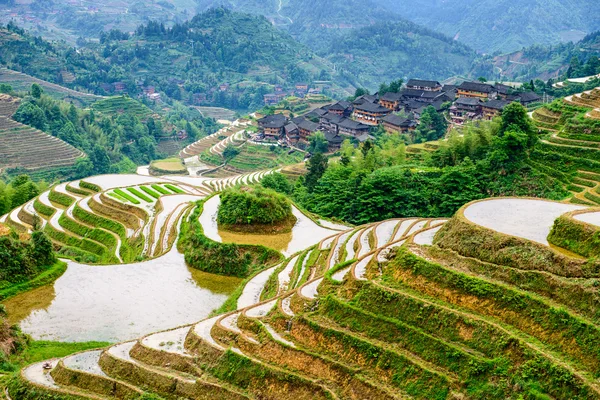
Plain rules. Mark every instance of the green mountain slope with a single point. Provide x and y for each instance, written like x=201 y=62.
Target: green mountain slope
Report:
x=505 y=25
x=552 y=61
x=386 y=51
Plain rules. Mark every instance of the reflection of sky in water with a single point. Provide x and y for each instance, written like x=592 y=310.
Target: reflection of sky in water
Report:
x=304 y=234
x=120 y=302
x=525 y=218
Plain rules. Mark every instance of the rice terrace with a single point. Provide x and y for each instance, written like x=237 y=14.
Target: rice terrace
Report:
x=257 y=201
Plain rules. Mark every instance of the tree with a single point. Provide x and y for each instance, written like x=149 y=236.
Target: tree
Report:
x=42 y=250
x=317 y=143
x=317 y=165
x=30 y=114
x=515 y=118
x=36 y=91
x=100 y=159
x=432 y=125
x=277 y=182
x=482 y=79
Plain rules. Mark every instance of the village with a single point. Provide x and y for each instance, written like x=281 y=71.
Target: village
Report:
x=395 y=112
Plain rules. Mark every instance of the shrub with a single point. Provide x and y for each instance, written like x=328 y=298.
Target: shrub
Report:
x=253 y=205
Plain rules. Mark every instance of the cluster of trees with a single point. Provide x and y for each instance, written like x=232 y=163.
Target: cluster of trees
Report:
x=252 y=206
x=114 y=143
x=18 y=191
x=23 y=260
x=377 y=181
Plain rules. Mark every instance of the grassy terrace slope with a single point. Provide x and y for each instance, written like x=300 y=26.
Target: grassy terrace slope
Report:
x=24 y=147
x=570 y=150
x=478 y=307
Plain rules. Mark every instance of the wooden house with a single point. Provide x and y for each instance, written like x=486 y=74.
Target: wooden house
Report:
x=419 y=84
x=272 y=126
x=493 y=108
x=466 y=109
x=395 y=124
x=476 y=90
x=391 y=101
x=370 y=114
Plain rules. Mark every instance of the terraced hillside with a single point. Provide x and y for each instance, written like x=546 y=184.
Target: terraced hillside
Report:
x=570 y=150
x=114 y=219
x=478 y=307
x=22 y=82
x=24 y=147
x=122 y=104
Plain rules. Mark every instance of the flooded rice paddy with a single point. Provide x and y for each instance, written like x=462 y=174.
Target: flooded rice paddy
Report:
x=304 y=234
x=524 y=218
x=121 y=302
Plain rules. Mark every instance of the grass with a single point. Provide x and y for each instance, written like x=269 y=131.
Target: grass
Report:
x=45 y=278
x=44 y=350
x=174 y=189
x=139 y=194
x=150 y=192
x=169 y=165
x=120 y=193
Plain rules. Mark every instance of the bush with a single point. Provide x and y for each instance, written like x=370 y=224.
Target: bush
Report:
x=220 y=258
x=253 y=205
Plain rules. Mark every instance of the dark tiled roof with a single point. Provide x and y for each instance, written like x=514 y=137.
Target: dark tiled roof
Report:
x=496 y=104
x=365 y=98
x=449 y=88
x=391 y=96
x=333 y=118
x=502 y=89
x=308 y=126
x=318 y=112
x=476 y=87
x=374 y=108
x=529 y=97
x=399 y=121
x=347 y=123
x=291 y=127
x=364 y=137
x=333 y=138
x=273 y=121
x=469 y=101
x=422 y=83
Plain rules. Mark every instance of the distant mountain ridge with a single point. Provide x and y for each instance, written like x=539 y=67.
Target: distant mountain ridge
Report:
x=503 y=25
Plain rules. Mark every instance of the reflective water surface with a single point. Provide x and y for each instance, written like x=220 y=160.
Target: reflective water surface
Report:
x=121 y=302
x=304 y=234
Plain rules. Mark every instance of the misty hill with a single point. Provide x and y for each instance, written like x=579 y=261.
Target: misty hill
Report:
x=504 y=25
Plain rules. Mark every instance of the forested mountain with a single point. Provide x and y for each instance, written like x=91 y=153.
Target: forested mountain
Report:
x=503 y=25
x=561 y=61
x=244 y=52
x=388 y=50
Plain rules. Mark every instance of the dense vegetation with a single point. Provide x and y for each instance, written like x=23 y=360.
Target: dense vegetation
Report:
x=116 y=133
x=565 y=60
x=387 y=50
x=18 y=191
x=220 y=258
x=254 y=208
x=22 y=260
x=379 y=181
